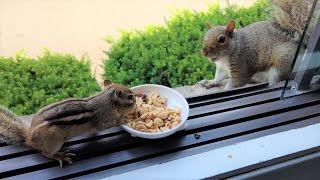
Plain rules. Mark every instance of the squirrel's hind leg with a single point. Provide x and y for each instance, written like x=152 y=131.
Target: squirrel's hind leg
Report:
x=282 y=58
x=239 y=77
x=273 y=76
x=49 y=141
x=63 y=156
x=234 y=83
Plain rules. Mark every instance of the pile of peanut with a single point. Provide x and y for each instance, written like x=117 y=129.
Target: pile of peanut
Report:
x=152 y=115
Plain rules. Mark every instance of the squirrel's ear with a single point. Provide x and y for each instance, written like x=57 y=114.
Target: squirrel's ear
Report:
x=208 y=25
x=230 y=27
x=105 y=84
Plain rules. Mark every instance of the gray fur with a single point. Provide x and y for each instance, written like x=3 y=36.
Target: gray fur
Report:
x=266 y=46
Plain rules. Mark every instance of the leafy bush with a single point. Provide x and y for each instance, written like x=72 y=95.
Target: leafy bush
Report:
x=27 y=84
x=170 y=55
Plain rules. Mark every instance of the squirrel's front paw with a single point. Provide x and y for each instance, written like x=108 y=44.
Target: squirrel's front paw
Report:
x=208 y=84
x=63 y=156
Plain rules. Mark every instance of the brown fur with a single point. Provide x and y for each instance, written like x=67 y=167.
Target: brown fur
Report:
x=55 y=124
x=11 y=129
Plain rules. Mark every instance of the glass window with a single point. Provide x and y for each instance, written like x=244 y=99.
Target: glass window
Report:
x=306 y=68
x=127 y=42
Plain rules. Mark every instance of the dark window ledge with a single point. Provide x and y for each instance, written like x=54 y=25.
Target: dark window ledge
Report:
x=221 y=119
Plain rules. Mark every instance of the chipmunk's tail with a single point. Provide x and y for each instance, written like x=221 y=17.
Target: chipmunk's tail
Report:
x=12 y=130
x=292 y=16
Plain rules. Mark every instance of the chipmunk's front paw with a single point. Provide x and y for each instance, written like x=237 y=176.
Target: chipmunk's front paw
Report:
x=208 y=84
x=63 y=156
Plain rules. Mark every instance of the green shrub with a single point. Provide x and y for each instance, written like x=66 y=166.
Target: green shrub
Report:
x=170 y=55
x=28 y=84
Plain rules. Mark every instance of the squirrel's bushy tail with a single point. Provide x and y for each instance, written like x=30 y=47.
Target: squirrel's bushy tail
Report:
x=11 y=128
x=292 y=16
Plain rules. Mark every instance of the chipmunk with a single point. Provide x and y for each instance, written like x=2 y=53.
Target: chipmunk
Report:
x=56 y=123
x=262 y=47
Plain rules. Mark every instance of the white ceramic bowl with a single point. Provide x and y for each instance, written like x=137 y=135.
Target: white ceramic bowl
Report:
x=174 y=99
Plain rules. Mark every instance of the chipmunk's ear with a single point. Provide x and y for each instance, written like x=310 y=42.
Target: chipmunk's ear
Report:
x=230 y=27
x=208 y=25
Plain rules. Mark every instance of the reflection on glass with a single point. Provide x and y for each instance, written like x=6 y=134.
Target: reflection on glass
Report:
x=306 y=68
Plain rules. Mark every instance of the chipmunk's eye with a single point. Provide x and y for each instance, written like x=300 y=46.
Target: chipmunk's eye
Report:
x=221 y=38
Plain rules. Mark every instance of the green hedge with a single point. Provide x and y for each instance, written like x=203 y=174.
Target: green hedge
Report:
x=28 y=84
x=170 y=54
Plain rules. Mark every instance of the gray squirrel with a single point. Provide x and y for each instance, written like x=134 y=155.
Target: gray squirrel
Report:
x=54 y=124
x=263 y=49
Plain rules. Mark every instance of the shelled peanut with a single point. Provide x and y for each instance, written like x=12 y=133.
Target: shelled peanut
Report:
x=152 y=115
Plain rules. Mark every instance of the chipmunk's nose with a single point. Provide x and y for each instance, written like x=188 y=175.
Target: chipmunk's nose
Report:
x=205 y=51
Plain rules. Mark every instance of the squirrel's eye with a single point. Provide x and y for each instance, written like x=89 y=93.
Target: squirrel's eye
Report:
x=118 y=93
x=222 y=39
x=130 y=97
